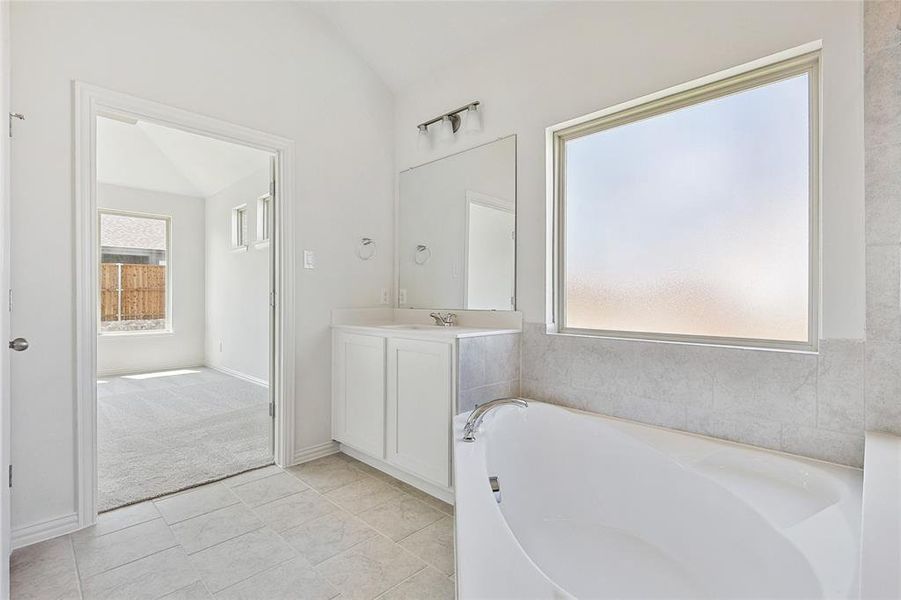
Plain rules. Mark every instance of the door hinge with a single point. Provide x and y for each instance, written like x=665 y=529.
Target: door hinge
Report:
x=9 y=304
x=10 y=475
x=12 y=116
x=272 y=299
x=271 y=410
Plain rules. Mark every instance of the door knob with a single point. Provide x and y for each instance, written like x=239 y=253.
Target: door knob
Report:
x=18 y=344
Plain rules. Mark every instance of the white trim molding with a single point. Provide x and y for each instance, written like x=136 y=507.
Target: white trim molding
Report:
x=239 y=375
x=44 y=530
x=90 y=102
x=318 y=451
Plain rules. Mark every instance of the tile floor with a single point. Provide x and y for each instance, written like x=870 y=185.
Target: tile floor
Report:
x=330 y=528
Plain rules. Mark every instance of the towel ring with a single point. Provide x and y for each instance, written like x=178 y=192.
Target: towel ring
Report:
x=366 y=249
x=423 y=254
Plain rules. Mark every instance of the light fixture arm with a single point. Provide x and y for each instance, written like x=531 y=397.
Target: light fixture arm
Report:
x=453 y=115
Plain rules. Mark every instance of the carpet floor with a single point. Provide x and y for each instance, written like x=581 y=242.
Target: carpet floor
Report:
x=158 y=435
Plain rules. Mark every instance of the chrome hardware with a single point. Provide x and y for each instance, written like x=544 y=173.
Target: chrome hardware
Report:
x=12 y=116
x=495 y=488
x=478 y=413
x=444 y=319
x=18 y=344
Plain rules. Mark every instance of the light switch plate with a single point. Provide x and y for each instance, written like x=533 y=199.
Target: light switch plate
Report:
x=309 y=259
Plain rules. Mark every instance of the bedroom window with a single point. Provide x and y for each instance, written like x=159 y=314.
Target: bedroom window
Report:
x=134 y=273
x=693 y=216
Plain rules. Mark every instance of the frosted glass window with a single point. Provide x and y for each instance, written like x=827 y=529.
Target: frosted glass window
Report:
x=694 y=222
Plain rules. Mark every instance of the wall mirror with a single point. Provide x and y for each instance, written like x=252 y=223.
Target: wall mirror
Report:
x=457 y=231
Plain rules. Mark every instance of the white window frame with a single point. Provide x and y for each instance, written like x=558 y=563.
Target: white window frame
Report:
x=264 y=221
x=805 y=59
x=167 y=330
x=239 y=228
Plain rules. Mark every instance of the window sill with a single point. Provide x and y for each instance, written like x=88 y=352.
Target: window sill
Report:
x=261 y=245
x=140 y=333
x=239 y=249
x=726 y=344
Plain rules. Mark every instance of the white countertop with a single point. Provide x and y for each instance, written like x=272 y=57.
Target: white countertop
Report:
x=410 y=330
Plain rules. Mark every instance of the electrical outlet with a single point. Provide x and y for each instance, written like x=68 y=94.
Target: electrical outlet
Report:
x=385 y=297
x=309 y=259
x=402 y=296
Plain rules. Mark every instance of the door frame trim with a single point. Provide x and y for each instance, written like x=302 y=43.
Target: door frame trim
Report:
x=91 y=101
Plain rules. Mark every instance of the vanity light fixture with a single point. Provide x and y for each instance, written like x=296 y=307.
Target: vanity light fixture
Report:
x=447 y=127
x=423 y=140
x=472 y=119
x=449 y=123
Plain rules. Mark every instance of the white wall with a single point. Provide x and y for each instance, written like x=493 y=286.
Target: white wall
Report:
x=184 y=346
x=237 y=283
x=270 y=66
x=594 y=55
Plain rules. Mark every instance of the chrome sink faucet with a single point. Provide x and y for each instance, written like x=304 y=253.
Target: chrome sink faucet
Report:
x=444 y=319
x=478 y=413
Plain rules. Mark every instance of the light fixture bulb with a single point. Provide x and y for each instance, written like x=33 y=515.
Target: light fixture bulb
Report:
x=473 y=119
x=423 y=140
x=445 y=129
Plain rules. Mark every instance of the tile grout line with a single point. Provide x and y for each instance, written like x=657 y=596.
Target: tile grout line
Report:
x=400 y=583
x=78 y=581
x=160 y=551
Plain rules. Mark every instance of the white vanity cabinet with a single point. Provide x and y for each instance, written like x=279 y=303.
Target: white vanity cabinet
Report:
x=420 y=408
x=396 y=389
x=358 y=391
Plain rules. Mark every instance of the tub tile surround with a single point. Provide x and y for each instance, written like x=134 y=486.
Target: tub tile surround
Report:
x=488 y=369
x=212 y=542
x=795 y=402
x=816 y=405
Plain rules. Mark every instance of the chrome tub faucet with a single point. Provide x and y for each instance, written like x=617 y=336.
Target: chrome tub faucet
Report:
x=479 y=412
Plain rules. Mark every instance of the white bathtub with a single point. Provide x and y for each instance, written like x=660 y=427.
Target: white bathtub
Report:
x=594 y=507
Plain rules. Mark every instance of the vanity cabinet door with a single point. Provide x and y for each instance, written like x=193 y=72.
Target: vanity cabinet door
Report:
x=419 y=408
x=358 y=392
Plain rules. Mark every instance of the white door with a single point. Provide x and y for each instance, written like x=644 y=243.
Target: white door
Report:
x=419 y=408
x=358 y=392
x=490 y=252
x=4 y=306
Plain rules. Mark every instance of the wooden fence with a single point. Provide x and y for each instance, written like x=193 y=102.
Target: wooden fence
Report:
x=131 y=292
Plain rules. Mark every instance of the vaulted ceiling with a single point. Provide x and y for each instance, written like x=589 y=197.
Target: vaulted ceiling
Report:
x=405 y=41
x=153 y=157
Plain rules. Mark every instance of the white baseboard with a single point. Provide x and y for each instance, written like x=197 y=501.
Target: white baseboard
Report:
x=239 y=375
x=44 y=530
x=313 y=452
x=445 y=494
x=145 y=369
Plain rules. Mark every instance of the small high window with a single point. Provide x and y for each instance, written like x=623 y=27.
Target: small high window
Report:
x=134 y=273
x=264 y=219
x=693 y=216
x=239 y=227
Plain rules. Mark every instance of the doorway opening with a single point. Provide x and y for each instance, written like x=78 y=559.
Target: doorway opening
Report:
x=184 y=313
x=157 y=411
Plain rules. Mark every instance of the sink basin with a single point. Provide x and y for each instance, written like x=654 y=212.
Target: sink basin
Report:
x=414 y=327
